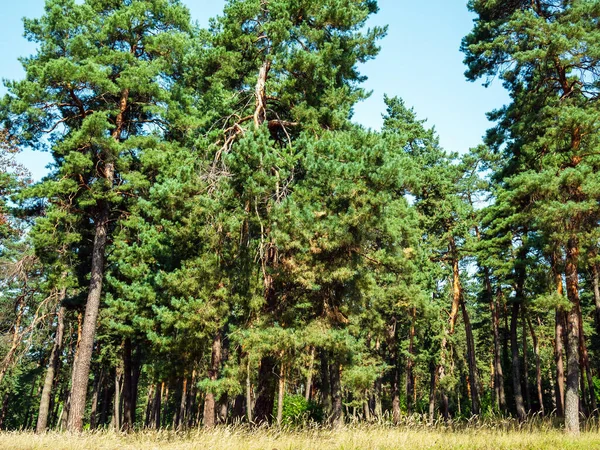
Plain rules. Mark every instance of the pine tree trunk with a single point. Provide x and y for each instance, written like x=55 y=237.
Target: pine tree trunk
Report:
x=42 y=422
x=127 y=386
x=456 y=301
x=265 y=398
x=572 y=388
x=105 y=403
x=213 y=375
x=337 y=414
x=325 y=383
x=596 y=289
x=182 y=404
x=223 y=408
x=117 y=401
x=311 y=365
x=165 y=405
x=558 y=357
x=498 y=370
x=432 y=392
x=525 y=361
x=249 y=406
x=471 y=359
x=135 y=382
x=516 y=363
x=538 y=368
x=83 y=359
x=410 y=376
x=156 y=407
x=392 y=337
x=281 y=393
x=97 y=387
x=585 y=362
x=149 y=405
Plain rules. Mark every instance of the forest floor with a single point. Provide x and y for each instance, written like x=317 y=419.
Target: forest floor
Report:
x=348 y=438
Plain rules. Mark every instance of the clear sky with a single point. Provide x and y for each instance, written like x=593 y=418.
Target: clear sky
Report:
x=419 y=61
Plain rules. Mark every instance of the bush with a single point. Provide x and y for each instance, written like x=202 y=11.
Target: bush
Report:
x=297 y=410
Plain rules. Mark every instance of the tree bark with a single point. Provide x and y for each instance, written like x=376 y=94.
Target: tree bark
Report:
x=83 y=359
x=128 y=414
x=538 y=368
x=572 y=388
x=596 y=289
x=456 y=301
x=410 y=376
x=516 y=363
x=281 y=393
x=265 y=398
x=42 y=422
x=213 y=375
x=472 y=362
x=525 y=361
x=337 y=414
x=498 y=370
x=585 y=362
x=325 y=383
x=117 y=402
x=311 y=365
x=432 y=392
x=249 y=406
x=97 y=387
x=182 y=404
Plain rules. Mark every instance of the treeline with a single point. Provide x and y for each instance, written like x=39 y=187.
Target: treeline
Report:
x=216 y=241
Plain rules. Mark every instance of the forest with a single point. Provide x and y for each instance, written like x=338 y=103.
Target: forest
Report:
x=217 y=242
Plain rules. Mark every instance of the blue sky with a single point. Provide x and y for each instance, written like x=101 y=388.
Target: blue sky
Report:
x=419 y=61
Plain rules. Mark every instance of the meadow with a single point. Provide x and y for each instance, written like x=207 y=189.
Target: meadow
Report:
x=499 y=436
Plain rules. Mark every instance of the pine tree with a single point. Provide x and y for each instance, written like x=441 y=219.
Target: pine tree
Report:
x=546 y=55
x=95 y=92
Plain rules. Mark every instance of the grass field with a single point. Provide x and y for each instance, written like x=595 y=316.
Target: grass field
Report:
x=349 y=438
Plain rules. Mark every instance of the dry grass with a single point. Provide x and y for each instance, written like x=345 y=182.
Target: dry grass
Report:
x=350 y=438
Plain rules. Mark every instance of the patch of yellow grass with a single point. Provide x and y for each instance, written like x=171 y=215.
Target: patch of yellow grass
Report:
x=351 y=438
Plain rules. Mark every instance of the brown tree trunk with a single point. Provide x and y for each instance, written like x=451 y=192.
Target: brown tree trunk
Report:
x=83 y=359
x=456 y=301
x=596 y=289
x=265 y=398
x=325 y=383
x=410 y=376
x=516 y=363
x=559 y=341
x=311 y=365
x=97 y=388
x=42 y=422
x=337 y=414
x=498 y=371
x=260 y=110
x=572 y=388
x=585 y=362
x=213 y=375
x=281 y=393
x=538 y=368
x=249 y=405
x=149 y=405
x=525 y=361
x=432 y=392
x=117 y=401
x=472 y=362
x=127 y=386
x=156 y=407
x=392 y=335
x=182 y=404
